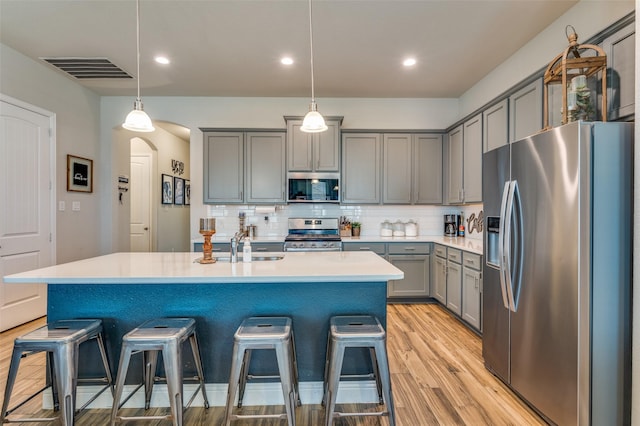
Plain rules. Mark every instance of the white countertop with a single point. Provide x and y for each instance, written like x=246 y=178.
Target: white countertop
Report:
x=180 y=268
x=466 y=244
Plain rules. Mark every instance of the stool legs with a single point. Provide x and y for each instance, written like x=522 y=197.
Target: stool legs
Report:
x=66 y=361
x=61 y=342
x=165 y=336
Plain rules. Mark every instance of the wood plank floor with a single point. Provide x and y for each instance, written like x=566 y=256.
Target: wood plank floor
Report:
x=436 y=369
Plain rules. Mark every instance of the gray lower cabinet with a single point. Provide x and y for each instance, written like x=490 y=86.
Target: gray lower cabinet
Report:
x=620 y=49
x=361 y=168
x=414 y=259
x=244 y=167
x=439 y=283
x=472 y=289
x=454 y=281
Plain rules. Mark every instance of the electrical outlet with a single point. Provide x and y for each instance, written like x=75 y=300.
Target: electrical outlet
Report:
x=75 y=206
x=61 y=206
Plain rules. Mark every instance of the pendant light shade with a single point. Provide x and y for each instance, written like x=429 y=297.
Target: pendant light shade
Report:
x=313 y=122
x=138 y=120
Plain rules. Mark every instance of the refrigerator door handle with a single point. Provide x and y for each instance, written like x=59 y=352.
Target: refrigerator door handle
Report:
x=508 y=215
x=501 y=245
x=514 y=271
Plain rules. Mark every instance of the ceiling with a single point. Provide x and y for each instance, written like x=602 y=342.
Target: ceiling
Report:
x=233 y=47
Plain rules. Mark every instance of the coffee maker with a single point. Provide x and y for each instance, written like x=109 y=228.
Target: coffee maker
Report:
x=450 y=225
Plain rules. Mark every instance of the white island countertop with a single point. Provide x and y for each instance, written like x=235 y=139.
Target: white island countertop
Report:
x=181 y=268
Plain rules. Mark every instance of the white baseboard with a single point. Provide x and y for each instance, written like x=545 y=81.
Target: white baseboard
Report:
x=255 y=394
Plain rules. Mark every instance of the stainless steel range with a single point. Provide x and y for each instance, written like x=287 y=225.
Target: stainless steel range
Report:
x=313 y=234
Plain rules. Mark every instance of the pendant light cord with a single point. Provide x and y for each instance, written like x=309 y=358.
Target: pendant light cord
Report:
x=138 y=45
x=313 y=98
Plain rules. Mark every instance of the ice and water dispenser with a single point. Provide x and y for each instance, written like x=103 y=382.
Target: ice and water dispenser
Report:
x=493 y=235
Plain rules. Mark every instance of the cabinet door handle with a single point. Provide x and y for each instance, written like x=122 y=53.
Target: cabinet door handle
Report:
x=409 y=249
x=365 y=249
x=261 y=249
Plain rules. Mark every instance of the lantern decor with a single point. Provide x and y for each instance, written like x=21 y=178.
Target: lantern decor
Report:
x=572 y=68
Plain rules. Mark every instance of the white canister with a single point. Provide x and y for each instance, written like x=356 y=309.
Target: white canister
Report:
x=398 y=229
x=386 y=229
x=411 y=229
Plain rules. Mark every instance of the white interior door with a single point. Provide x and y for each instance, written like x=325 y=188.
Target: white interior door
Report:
x=26 y=212
x=140 y=188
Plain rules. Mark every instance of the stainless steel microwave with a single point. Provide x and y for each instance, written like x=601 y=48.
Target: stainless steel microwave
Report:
x=313 y=187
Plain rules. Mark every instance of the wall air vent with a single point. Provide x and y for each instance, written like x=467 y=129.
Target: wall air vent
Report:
x=88 y=68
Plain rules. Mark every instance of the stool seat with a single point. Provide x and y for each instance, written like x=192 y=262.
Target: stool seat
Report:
x=356 y=331
x=166 y=336
x=274 y=333
x=61 y=340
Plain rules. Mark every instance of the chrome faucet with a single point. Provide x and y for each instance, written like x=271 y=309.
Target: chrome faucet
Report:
x=235 y=240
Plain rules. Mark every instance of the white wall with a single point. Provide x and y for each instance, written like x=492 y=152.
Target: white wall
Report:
x=77 y=121
x=588 y=18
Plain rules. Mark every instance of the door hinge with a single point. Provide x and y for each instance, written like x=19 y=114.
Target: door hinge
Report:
x=50 y=237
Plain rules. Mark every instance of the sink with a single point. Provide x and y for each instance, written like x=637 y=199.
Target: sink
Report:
x=253 y=258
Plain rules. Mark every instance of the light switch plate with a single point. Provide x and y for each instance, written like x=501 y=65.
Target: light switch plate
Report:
x=75 y=206
x=61 y=206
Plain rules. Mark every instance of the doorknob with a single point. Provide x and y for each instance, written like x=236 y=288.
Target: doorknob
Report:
x=146 y=228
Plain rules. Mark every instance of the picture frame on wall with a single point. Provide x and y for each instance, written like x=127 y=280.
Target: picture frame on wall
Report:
x=178 y=191
x=79 y=174
x=187 y=192
x=167 y=189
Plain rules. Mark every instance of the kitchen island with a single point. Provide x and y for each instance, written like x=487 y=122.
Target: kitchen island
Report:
x=126 y=289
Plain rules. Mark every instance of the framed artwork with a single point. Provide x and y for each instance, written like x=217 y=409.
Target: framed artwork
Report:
x=79 y=174
x=178 y=190
x=167 y=189
x=187 y=192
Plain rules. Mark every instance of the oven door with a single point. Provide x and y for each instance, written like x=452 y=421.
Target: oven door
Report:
x=313 y=187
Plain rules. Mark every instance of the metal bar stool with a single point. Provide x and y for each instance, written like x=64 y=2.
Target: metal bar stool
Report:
x=362 y=331
x=274 y=333
x=166 y=335
x=61 y=340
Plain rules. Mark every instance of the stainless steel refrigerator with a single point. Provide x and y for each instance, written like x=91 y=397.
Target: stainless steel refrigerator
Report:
x=557 y=271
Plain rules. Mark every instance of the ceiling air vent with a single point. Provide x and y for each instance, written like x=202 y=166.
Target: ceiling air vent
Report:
x=88 y=68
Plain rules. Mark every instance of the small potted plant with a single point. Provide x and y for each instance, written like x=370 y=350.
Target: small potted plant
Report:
x=355 y=229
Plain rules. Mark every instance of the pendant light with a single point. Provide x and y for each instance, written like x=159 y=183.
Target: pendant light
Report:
x=313 y=121
x=138 y=120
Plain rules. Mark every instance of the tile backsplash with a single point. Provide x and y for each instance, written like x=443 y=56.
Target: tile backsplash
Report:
x=272 y=220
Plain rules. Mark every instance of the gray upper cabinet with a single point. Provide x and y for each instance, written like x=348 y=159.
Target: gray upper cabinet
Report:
x=525 y=111
x=397 y=160
x=223 y=167
x=496 y=125
x=361 y=168
x=244 y=167
x=455 y=165
x=313 y=152
x=620 y=51
x=427 y=168
x=465 y=162
x=265 y=166
x=472 y=165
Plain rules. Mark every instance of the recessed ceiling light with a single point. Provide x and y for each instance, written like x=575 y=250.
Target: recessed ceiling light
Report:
x=409 y=62
x=162 y=60
x=286 y=61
